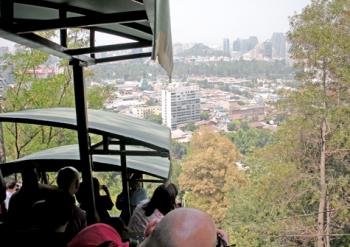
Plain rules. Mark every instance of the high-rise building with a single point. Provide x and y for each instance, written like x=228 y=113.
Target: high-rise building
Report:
x=180 y=105
x=267 y=49
x=226 y=47
x=245 y=45
x=278 y=41
x=236 y=46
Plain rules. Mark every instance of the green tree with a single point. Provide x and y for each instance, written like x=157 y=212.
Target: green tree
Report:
x=190 y=127
x=271 y=204
x=155 y=118
x=248 y=140
x=31 y=91
x=231 y=126
x=205 y=115
x=320 y=46
x=209 y=172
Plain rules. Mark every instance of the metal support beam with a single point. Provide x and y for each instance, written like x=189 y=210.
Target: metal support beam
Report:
x=105 y=143
x=132 y=152
x=125 y=179
x=80 y=21
x=139 y=27
x=6 y=12
x=83 y=137
x=92 y=41
x=63 y=32
x=105 y=48
x=123 y=57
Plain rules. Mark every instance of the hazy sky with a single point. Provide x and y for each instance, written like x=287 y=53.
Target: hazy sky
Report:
x=211 y=21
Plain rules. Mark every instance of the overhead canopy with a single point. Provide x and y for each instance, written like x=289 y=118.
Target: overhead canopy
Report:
x=53 y=159
x=145 y=22
x=131 y=130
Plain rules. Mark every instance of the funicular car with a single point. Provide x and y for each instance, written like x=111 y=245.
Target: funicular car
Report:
x=127 y=144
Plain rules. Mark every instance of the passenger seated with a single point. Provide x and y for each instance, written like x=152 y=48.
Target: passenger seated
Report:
x=3 y=210
x=186 y=227
x=103 y=202
x=98 y=235
x=183 y=227
x=11 y=187
x=52 y=214
x=68 y=181
x=161 y=203
x=137 y=194
x=49 y=219
x=22 y=201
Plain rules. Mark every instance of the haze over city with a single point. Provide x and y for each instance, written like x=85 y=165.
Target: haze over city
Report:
x=204 y=21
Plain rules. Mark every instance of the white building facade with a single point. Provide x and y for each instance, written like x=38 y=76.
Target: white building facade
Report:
x=180 y=105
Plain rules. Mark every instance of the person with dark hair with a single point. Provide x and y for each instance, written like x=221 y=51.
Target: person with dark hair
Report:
x=22 y=201
x=68 y=181
x=103 y=202
x=137 y=195
x=3 y=210
x=10 y=189
x=162 y=202
x=52 y=214
x=2 y=188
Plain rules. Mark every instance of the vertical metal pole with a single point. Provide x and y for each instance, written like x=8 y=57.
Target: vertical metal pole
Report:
x=63 y=32
x=92 y=41
x=2 y=144
x=7 y=12
x=125 y=178
x=84 y=143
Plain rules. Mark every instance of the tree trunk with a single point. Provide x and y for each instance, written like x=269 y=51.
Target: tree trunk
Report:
x=323 y=189
x=328 y=223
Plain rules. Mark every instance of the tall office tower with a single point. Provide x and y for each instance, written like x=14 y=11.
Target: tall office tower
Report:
x=245 y=45
x=267 y=49
x=252 y=42
x=180 y=105
x=278 y=45
x=236 y=45
x=226 y=48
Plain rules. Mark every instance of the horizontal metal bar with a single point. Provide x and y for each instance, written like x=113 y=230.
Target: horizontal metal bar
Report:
x=131 y=153
x=105 y=48
x=139 y=27
x=151 y=181
x=80 y=21
x=37 y=42
x=123 y=57
x=54 y=5
x=96 y=145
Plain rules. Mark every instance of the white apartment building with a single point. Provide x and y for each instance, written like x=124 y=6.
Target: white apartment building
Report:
x=144 y=111
x=180 y=105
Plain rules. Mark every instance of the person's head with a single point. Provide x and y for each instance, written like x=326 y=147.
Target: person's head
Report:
x=163 y=199
x=30 y=177
x=11 y=185
x=68 y=179
x=135 y=181
x=183 y=227
x=53 y=214
x=99 y=234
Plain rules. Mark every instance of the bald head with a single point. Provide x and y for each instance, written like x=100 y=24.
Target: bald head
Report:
x=183 y=227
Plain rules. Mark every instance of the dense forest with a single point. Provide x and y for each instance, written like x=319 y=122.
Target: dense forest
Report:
x=292 y=187
x=135 y=70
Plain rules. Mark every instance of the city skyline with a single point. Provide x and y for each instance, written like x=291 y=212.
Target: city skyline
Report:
x=201 y=21
x=196 y=21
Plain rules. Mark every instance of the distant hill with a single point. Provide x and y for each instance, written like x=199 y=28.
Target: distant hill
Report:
x=201 y=50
